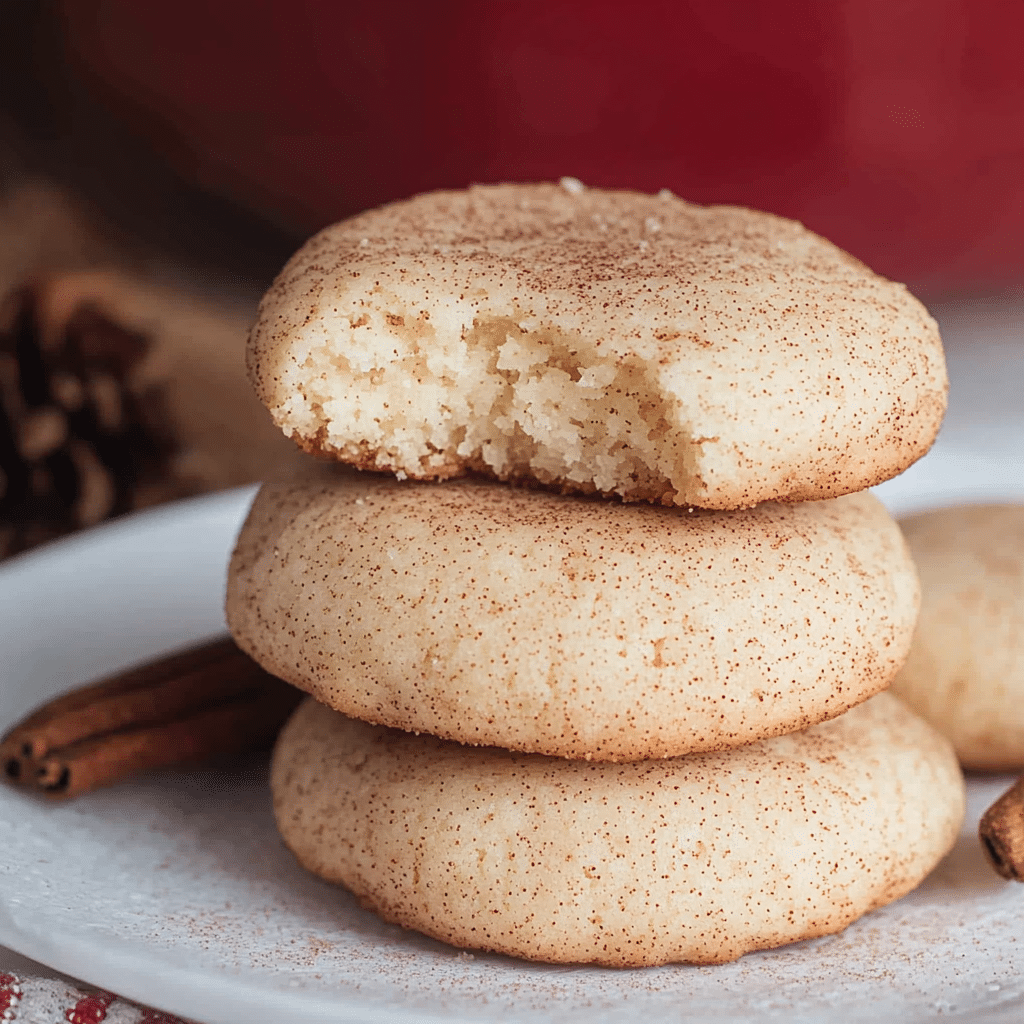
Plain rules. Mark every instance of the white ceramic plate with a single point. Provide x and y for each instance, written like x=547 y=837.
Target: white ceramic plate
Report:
x=175 y=889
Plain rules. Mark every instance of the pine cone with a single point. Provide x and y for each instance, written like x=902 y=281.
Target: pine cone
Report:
x=77 y=444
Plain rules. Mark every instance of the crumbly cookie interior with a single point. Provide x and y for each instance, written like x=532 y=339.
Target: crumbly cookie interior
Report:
x=515 y=399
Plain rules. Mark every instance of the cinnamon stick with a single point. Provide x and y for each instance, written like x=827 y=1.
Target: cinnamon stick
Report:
x=243 y=723
x=212 y=699
x=134 y=697
x=1001 y=831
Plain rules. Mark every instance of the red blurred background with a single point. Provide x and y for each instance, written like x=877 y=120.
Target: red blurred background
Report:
x=894 y=127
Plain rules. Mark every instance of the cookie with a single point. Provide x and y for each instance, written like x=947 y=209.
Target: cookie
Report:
x=572 y=626
x=697 y=859
x=595 y=341
x=965 y=672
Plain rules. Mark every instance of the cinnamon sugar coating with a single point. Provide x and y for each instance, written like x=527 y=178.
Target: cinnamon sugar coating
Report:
x=696 y=859
x=596 y=341
x=570 y=626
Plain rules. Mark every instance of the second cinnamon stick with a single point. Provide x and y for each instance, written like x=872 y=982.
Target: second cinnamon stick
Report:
x=1001 y=831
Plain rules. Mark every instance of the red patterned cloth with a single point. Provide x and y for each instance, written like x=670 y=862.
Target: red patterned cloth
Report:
x=31 y=1000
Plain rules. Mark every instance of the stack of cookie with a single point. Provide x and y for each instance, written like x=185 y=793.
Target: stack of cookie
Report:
x=620 y=714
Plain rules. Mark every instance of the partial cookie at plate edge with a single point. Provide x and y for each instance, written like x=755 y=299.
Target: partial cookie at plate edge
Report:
x=965 y=670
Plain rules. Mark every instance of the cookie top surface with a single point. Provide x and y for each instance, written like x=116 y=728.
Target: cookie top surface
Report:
x=600 y=341
x=565 y=625
x=694 y=859
x=965 y=672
